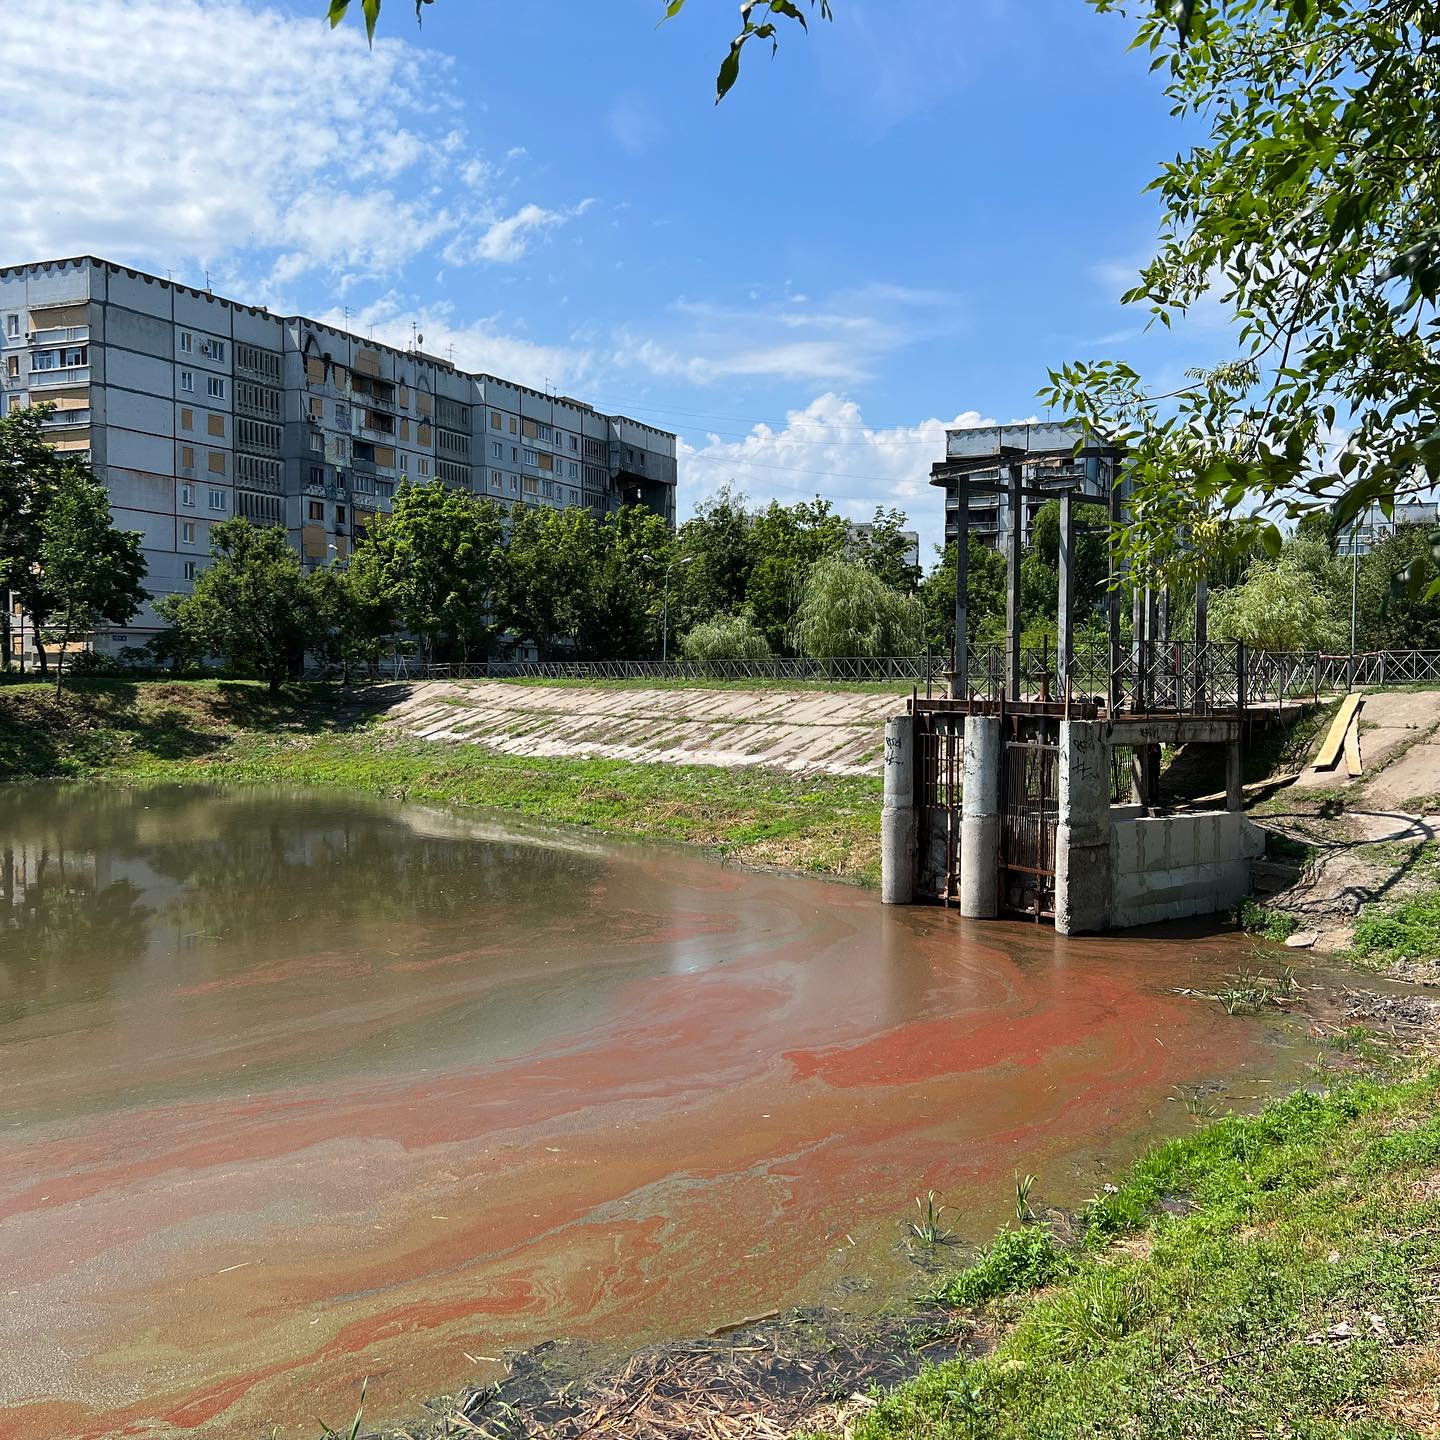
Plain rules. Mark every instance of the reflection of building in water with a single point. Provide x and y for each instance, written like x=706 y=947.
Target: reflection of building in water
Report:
x=26 y=868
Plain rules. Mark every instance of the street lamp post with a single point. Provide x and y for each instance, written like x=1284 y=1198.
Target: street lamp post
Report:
x=665 y=604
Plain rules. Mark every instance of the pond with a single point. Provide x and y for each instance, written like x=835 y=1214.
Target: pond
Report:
x=298 y=1088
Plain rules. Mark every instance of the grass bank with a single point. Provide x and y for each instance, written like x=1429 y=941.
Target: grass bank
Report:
x=317 y=735
x=1275 y=1275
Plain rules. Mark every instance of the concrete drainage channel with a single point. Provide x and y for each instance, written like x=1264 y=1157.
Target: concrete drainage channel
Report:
x=794 y=731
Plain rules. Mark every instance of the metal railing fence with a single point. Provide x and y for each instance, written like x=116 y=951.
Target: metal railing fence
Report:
x=1182 y=677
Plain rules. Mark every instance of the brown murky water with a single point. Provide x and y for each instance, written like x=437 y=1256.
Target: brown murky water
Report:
x=296 y=1089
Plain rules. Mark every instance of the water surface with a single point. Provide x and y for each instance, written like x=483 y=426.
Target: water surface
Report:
x=297 y=1089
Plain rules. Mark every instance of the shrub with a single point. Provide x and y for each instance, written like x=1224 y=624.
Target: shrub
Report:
x=726 y=637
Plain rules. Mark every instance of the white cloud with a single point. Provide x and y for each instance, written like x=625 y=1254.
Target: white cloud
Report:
x=213 y=133
x=508 y=240
x=475 y=346
x=839 y=342
x=828 y=449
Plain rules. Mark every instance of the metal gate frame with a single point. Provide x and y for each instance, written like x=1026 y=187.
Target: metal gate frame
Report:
x=940 y=740
x=1029 y=819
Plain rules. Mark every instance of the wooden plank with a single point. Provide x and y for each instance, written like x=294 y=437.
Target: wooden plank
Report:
x=1335 y=740
x=1352 y=750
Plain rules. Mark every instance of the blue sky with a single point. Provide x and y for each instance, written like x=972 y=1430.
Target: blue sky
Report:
x=900 y=222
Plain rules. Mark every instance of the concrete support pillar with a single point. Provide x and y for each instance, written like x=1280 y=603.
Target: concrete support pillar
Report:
x=1234 y=777
x=980 y=821
x=1083 y=881
x=897 y=813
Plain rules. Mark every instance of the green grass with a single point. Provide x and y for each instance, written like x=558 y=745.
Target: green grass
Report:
x=1261 y=920
x=313 y=735
x=1274 y=1275
x=1400 y=929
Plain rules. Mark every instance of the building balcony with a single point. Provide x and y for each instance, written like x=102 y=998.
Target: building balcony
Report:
x=55 y=379
x=67 y=420
x=60 y=335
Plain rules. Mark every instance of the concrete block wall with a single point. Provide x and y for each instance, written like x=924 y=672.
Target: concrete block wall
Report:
x=1167 y=867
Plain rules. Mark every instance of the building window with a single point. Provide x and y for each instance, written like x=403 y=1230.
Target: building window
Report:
x=317 y=443
x=217 y=499
x=12 y=326
x=187 y=495
x=187 y=341
x=317 y=510
x=497 y=450
x=215 y=387
x=187 y=457
x=215 y=349
x=317 y=474
x=424 y=464
x=217 y=462
x=512 y=425
x=191 y=570
x=12 y=366
x=574 y=471
x=187 y=532
x=216 y=425
x=187 y=419
x=187 y=381
x=339 y=514
x=494 y=417
x=514 y=484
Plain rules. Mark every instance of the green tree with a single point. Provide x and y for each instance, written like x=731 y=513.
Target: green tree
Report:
x=984 y=596
x=717 y=541
x=1394 y=614
x=548 y=576
x=1309 y=212
x=885 y=550
x=725 y=637
x=620 y=615
x=1283 y=604
x=848 y=610
x=251 y=604
x=92 y=571
x=355 y=612
x=438 y=554
x=30 y=477
x=788 y=540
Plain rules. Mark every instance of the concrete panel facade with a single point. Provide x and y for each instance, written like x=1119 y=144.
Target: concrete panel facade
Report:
x=318 y=426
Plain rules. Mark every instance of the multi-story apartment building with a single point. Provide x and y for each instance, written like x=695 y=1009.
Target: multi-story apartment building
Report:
x=193 y=408
x=1047 y=450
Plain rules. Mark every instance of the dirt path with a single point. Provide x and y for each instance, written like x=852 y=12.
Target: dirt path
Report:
x=800 y=732
x=1365 y=835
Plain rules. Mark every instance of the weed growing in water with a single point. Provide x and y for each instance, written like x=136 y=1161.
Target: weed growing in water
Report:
x=928 y=1229
x=1022 y=1198
x=1197 y=1106
x=354 y=1430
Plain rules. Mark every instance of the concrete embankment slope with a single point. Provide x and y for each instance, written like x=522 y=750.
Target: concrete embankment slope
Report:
x=803 y=732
